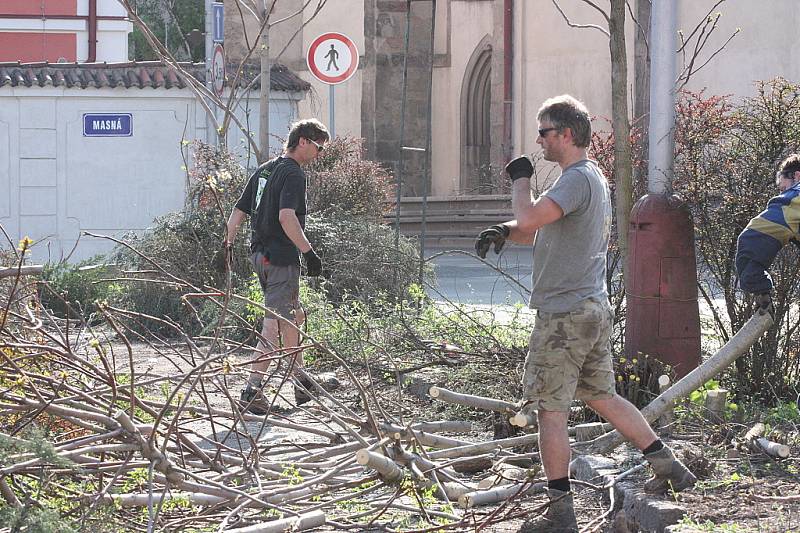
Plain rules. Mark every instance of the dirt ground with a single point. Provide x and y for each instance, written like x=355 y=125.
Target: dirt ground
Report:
x=725 y=499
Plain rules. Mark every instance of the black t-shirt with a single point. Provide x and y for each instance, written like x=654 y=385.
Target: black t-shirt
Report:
x=277 y=184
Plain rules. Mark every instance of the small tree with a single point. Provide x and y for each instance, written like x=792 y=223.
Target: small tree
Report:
x=239 y=87
x=725 y=163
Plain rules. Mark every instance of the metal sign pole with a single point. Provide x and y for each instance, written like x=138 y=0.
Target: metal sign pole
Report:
x=211 y=138
x=331 y=111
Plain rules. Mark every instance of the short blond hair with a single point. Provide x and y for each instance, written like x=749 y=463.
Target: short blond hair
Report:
x=566 y=111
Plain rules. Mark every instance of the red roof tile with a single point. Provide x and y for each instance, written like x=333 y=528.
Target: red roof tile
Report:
x=143 y=74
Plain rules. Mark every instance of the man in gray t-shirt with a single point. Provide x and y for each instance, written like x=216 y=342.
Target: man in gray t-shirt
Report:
x=569 y=255
x=569 y=355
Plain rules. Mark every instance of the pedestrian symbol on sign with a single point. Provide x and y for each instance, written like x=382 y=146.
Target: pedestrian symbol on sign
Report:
x=333 y=55
x=332 y=58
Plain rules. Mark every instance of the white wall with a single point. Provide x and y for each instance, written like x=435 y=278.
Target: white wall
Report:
x=447 y=85
x=347 y=95
x=55 y=183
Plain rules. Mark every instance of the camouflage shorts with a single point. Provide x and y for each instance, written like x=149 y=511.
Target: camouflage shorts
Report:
x=569 y=357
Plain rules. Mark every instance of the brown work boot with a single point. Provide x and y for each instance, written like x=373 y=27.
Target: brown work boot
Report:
x=328 y=382
x=559 y=518
x=670 y=473
x=301 y=396
x=252 y=400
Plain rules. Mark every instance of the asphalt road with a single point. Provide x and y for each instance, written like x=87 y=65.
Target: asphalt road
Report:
x=463 y=278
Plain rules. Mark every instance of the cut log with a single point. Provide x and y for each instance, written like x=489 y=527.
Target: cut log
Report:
x=452 y=490
x=445 y=426
x=426 y=439
x=387 y=468
x=666 y=419
x=716 y=400
x=478 y=402
x=522 y=420
x=10 y=272
x=585 y=432
x=296 y=523
x=142 y=500
x=755 y=440
x=483 y=447
x=773 y=449
x=529 y=419
x=488 y=497
x=754 y=432
x=733 y=349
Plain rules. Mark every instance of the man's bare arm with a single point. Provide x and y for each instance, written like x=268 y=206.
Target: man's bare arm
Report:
x=234 y=221
x=531 y=215
x=291 y=226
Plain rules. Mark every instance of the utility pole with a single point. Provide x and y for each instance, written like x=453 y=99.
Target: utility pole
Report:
x=263 y=101
x=211 y=135
x=663 y=72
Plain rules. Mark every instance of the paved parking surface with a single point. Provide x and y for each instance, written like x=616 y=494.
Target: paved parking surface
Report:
x=463 y=278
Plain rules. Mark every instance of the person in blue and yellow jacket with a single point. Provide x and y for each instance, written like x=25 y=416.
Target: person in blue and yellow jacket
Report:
x=768 y=232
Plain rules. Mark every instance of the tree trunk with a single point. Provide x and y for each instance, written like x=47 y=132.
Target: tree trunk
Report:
x=622 y=137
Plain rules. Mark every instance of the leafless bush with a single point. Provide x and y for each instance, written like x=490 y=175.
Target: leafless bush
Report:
x=726 y=156
x=342 y=183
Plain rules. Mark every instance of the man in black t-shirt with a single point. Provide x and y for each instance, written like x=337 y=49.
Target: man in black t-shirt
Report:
x=275 y=200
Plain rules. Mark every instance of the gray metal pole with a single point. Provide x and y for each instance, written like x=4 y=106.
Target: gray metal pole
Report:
x=663 y=44
x=427 y=174
x=399 y=171
x=331 y=111
x=211 y=135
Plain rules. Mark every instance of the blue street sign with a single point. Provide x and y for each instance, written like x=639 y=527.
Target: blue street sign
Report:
x=219 y=22
x=107 y=125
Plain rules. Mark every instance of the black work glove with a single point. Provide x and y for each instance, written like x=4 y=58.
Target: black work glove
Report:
x=494 y=234
x=313 y=263
x=764 y=304
x=520 y=167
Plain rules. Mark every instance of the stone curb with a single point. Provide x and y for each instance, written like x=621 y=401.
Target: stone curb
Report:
x=635 y=510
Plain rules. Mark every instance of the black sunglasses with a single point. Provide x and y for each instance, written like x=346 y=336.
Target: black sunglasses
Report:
x=544 y=131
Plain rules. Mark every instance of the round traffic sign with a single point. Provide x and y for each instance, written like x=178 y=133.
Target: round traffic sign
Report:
x=332 y=58
x=218 y=69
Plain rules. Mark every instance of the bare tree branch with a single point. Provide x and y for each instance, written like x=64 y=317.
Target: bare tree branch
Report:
x=573 y=25
x=597 y=8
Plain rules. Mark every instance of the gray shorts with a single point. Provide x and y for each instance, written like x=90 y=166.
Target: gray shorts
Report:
x=281 y=285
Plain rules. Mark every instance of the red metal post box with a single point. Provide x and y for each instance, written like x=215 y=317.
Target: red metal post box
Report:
x=663 y=317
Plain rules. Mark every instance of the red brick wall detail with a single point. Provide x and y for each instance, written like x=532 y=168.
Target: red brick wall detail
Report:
x=28 y=47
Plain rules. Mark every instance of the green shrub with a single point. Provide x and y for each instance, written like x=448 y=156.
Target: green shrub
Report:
x=359 y=253
x=72 y=290
x=360 y=259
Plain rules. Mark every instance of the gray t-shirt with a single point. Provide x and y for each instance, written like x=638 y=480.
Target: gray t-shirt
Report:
x=569 y=255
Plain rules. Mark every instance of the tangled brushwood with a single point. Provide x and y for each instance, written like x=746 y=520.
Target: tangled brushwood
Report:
x=108 y=427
